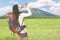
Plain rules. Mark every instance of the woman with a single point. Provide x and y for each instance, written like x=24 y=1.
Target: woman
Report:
x=23 y=33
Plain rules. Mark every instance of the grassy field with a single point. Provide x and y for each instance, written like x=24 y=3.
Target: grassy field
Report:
x=38 y=29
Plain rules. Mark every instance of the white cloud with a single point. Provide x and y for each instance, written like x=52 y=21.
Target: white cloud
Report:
x=41 y=3
x=54 y=7
x=36 y=4
x=5 y=10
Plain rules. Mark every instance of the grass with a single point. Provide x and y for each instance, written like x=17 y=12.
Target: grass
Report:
x=38 y=29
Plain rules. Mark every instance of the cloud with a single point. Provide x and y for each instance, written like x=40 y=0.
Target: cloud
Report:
x=43 y=4
x=56 y=8
x=5 y=10
x=36 y=4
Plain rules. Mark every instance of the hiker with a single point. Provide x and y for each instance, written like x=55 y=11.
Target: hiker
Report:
x=16 y=21
x=23 y=34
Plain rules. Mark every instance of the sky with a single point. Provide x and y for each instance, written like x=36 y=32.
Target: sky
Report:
x=11 y=2
x=52 y=6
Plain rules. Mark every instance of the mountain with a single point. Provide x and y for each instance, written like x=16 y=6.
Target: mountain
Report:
x=37 y=13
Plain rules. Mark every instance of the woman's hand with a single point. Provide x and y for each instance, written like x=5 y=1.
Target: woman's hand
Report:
x=25 y=5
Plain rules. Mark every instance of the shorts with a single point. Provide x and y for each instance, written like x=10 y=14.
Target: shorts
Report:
x=23 y=32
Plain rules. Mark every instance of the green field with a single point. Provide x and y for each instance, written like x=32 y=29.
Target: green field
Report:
x=38 y=29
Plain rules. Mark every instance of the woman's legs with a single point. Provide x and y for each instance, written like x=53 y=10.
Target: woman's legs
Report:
x=22 y=38
x=23 y=34
x=25 y=38
x=19 y=38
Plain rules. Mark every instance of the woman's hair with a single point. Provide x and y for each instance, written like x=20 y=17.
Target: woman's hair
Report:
x=15 y=10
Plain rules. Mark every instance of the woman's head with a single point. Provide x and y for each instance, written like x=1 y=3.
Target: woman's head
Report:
x=16 y=10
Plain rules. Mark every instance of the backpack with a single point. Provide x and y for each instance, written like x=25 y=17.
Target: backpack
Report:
x=13 y=23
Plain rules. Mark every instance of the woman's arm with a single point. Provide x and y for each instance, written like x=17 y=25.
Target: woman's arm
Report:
x=22 y=15
x=26 y=14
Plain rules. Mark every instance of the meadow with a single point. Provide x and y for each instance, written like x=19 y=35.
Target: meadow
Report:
x=38 y=29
